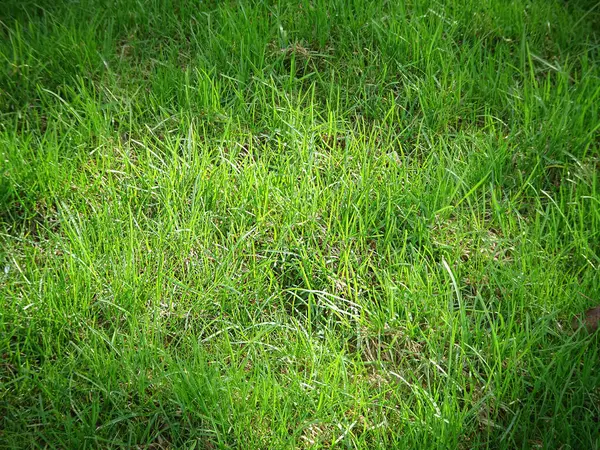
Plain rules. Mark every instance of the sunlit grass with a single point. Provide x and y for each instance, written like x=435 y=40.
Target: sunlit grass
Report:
x=310 y=224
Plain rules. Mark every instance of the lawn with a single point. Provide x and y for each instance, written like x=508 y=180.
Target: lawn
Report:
x=299 y=224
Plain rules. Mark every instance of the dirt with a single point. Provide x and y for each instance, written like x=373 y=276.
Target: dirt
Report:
x=590 y=320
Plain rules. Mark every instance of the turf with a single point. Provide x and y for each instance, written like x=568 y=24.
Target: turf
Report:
x=299 y=224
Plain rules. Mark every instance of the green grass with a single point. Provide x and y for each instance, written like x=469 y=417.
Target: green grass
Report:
x=299 y=224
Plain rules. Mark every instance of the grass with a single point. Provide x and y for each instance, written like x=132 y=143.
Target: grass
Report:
x=308 y=224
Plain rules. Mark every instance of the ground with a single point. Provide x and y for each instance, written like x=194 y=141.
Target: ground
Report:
x=299 y=224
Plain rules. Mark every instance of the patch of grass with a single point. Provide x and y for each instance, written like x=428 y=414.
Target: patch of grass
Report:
x=310 y=224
